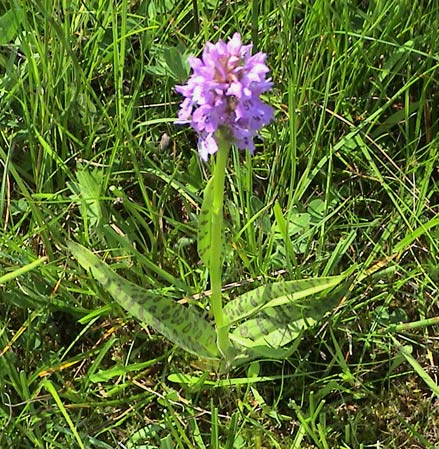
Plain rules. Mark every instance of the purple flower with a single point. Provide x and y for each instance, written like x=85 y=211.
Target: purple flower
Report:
x=223 y=94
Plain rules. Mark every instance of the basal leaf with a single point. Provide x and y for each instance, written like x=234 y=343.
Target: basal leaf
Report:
x=181 y=325
x=275 y=327
x=205 y=225
x=250 y=350
x=276 y=294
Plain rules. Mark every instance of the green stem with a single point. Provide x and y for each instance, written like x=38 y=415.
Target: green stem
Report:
x=216 y=257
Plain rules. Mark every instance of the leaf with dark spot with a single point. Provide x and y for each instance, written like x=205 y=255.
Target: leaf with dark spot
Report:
x=156 y=311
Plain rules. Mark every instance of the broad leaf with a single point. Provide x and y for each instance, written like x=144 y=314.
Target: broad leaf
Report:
x=248 y=350
x=181 y=325
x=276 y=294
x=10 y=23
x=87 y=192
x=275 y=327
x=176 y=63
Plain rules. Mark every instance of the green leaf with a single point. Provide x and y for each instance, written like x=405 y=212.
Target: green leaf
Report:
x=179 y=324
x=176 y=62
x=205 y=225
x=21 y=270
x=87 y=191
x=278 y=314
x=417 y=367
x=276 y=294
x=116 y=371
x=274 y=327
x=9 y=25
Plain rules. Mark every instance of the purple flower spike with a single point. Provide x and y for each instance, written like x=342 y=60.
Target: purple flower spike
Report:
x=224 y=89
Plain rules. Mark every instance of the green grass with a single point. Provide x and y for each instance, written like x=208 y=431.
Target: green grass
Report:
x=89 y=152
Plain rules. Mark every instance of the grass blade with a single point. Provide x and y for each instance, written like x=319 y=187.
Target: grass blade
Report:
x=418 y=368
x=48 y=385
x=22 y=270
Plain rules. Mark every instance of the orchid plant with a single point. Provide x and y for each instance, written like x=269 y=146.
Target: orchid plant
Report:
x=223 y=105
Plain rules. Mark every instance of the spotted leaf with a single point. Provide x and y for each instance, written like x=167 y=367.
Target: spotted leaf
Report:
x=181 y=325
x=268 y=332
x=276 y=294
x=277 y=326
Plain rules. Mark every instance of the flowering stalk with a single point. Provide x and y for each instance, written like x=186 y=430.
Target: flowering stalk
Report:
x=222 y=104
x=216 y=257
